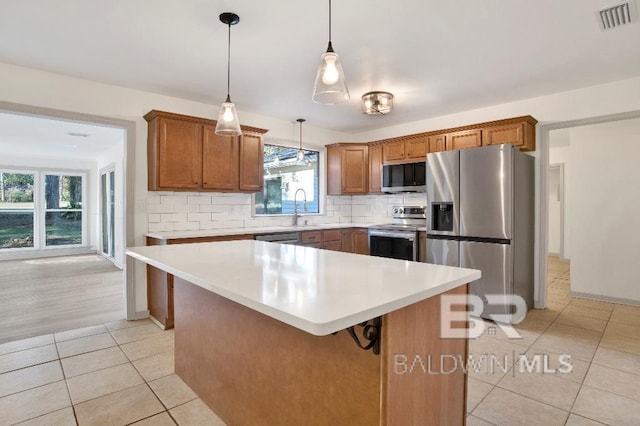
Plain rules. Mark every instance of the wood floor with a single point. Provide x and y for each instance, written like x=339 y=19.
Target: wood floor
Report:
x=41 y=296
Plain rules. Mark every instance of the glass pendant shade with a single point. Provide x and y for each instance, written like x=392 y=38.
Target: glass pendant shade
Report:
x=330 y=86
x=300 y=155
x=228 y=123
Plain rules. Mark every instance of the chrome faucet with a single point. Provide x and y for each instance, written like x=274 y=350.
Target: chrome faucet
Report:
x=295 y=205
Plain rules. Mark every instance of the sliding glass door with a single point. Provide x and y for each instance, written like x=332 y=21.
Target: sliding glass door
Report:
x=107 y=213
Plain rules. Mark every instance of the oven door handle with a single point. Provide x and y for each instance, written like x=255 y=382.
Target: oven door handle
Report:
x=411 y=236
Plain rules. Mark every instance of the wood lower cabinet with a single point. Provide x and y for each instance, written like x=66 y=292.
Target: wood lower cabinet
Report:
x=355 y=240
x=360 y=241
x=347 y=169
x=185 y=154
x=422 y=248
x=160 y=283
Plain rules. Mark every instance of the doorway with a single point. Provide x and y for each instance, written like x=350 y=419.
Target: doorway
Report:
x=556 y=223
x=120 y=231
x=107 y=213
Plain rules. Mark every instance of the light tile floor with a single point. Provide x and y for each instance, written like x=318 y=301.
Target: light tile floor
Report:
x=122 y=373
x=603 y=340
x=117 y=373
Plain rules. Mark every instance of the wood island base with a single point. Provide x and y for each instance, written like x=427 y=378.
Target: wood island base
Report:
x=251 y=369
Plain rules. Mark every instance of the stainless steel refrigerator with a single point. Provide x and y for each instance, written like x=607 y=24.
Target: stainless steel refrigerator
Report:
x=481 y=216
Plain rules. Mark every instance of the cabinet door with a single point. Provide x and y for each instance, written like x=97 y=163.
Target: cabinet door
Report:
x=347 y=240
x=219 y=161
x=416 y=148
x=436 y=143
x=422 y=248
x=510 y=133
x=334 y=170
x=355 y=170
x=375 y=163
x=251 y=163
x=360 y=241
x=332 y=245
x=393 y=151
x=464 y=139
x=179 y=154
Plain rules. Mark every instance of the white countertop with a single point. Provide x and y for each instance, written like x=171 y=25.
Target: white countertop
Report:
x=318 y=291
x=169 y=235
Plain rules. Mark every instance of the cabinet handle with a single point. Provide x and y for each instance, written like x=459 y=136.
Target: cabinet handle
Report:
x=204 y=183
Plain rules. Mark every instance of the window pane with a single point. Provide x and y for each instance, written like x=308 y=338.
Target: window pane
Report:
x=63 y=228
x=284 y=176
x=63 y=192
x=16 y=210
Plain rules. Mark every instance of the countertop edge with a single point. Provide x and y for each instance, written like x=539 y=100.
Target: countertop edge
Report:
x=318 y=329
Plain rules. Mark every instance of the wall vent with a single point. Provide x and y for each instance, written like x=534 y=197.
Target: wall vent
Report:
x=618 y=15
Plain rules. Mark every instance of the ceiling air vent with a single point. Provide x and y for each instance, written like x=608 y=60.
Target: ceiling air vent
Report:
x=616 y=16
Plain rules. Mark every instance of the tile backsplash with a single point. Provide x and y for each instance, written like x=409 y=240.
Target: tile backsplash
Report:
x=193 y=211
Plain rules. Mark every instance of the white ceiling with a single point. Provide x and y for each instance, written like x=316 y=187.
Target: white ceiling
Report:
x=437 y=57
x=28 y=136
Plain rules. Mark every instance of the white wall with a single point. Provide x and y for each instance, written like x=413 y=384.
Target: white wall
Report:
x=115 y=157
x=10 y=160
x=554 y=204
x=38 y=88
x=560 y=153
x=605 y=214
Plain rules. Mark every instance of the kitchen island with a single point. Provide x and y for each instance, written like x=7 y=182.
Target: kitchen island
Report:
x=272 y=334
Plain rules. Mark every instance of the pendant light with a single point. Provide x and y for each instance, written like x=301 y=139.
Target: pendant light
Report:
x=330 y=86
x=300 y=150
x=228 y=122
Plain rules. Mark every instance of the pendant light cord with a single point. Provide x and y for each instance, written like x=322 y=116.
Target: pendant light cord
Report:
x=229 y=65
x=329 y=21
x=301 y=135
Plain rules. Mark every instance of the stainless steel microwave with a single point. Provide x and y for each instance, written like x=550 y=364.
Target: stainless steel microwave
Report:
x=405 y=177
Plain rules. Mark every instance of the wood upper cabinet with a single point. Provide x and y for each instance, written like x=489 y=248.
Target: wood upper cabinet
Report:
x=347 y=169
x=416 y=148
x=185 y=154
x=519 y=133
x=393 y=151
x=436 y=143
x=251 y=162
x=404 y=150
x=175 y=154
x=219 y=159
x=464 y=139
x=375 y=165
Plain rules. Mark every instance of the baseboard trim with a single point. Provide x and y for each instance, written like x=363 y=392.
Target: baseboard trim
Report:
x=138 y=315
x=608 y=299
x=37 y=254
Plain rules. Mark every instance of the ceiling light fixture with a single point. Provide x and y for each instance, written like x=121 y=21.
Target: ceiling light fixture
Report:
x=300 y=150
x=330 y=86
x=228 y=122
x=377 y=103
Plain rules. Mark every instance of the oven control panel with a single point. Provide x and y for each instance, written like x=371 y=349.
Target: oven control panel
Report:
x=409 y=212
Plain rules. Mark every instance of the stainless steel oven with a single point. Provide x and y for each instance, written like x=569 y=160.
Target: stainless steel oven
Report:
x=399 y=239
